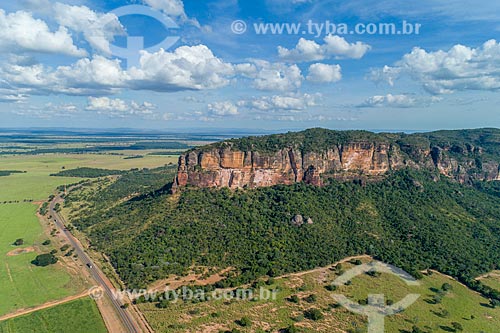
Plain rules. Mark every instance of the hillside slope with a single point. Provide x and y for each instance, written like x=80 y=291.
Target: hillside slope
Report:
x=409 y=219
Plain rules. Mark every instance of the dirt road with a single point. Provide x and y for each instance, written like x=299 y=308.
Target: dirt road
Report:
x=22 y=312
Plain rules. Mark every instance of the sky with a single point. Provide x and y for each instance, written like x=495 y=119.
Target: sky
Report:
x=257 y=65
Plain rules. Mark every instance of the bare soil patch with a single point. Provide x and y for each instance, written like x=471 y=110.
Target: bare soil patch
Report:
x=176 y=282
x=17 y=252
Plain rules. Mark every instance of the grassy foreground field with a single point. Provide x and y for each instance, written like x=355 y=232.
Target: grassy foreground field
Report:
x=80 y=316
x=458 y=305
x=21 y=283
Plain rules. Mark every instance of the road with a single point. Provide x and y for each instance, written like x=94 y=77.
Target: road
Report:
x=127 y=319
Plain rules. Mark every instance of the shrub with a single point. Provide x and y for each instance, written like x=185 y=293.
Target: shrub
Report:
x=19 y=242
x=289 y=329
x=446 y=287
x=313 y=314
x=311 y=298
x=331 y=287
x=457 y=326
x=245 y=322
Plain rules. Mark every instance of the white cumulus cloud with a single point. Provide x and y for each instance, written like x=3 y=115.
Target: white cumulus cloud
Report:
x=169 y=7
x=398 y=101
x=333 y=47
x=277 y=103
x=98 y=29
x=277 y=76
x=20 y=32
x=458 y=69
x=175 y=9
x=323 y=73
x=223 y=109
x=186 y=68
x=118 y=107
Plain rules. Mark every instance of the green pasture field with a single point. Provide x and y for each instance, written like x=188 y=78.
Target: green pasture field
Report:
x=21 y=283
x=79 y=316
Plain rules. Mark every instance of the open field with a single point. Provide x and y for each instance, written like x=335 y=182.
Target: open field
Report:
x=458 y=305
x=37 y=185
x=79 y=316
x=22 y=284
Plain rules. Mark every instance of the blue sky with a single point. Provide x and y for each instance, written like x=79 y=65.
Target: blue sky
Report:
x=59 y=65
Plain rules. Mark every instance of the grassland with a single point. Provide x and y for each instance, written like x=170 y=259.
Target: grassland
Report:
x=78 y=316
x=37 y=185
x=22 y=284
x=459 y=305
x=492 y=280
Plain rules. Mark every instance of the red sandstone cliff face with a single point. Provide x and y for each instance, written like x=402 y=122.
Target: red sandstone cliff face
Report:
x=229 y=167
x=315 y=155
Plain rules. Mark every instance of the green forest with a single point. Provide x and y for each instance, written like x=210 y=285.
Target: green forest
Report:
x=87 y=173
x=414 y=220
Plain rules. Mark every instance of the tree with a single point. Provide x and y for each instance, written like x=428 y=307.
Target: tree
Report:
x=19 y=242
x=45 y=259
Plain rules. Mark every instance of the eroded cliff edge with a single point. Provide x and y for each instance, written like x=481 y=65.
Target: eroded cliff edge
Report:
x=314 y=155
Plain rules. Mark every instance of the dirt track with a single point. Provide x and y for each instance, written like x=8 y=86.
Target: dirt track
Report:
x=22 y=312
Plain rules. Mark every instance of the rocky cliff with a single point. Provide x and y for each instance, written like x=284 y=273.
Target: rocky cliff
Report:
x=315 y=155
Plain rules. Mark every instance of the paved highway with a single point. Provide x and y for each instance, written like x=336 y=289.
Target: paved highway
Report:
x=127 y=319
